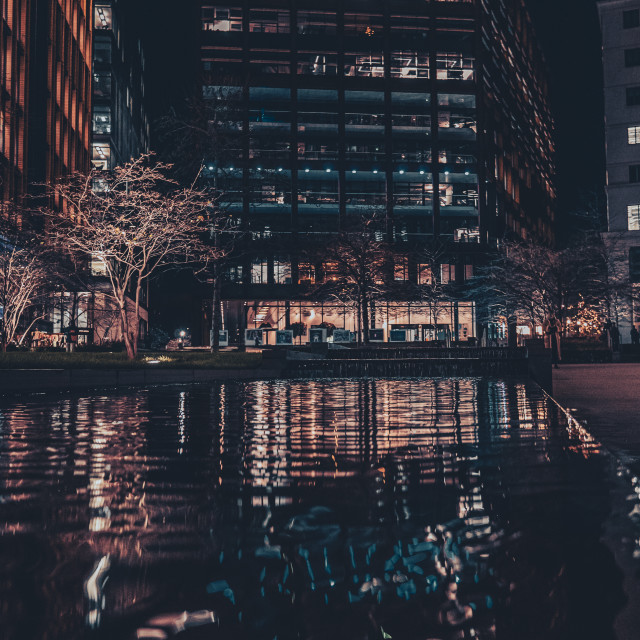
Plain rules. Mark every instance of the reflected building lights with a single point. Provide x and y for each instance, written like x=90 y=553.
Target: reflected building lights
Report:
x=370 y=492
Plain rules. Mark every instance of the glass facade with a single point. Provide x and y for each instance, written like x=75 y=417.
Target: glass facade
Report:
x=358 y=108
x=120 y=129
x=368 y=124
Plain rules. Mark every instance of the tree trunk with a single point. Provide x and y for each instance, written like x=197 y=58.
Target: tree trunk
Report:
x=243 y=324
x=216 y=319
x=365 y=318
x=512 y=330
x=135 y=336
x=124 y=325
x=72 y=321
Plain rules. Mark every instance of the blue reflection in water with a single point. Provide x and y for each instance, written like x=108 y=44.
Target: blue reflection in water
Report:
x=432 y=508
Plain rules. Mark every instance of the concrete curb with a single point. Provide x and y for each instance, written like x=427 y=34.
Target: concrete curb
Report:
x=36 y=380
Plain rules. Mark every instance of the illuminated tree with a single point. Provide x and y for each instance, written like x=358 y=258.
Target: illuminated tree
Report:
x=432 y=293
x=360 y=259
x=133 y=222
x=612 y=290
x=584 y=320
x=530 y=281
x=24 y=281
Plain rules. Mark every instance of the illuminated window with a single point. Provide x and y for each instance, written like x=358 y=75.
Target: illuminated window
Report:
x=425 y=275
x=412 y=194
x=221 y=19
x=633 y=216
x=447 y=273
x=409 y=64
x=306 y=273
x=259 y=268
x=331 y=271
x=634 y=135
x=102 y=121
x=101 y=156
x=98 y=265
x=455 y=66
x=401 y=269
x=364 y=65
x=282 y=271
x=233 y=274
x=103 y=16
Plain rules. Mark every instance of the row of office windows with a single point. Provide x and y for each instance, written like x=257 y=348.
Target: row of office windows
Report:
x=403 y=64
x=278 y=271
x=269 y=95
x=318 y=22
x=406 y=194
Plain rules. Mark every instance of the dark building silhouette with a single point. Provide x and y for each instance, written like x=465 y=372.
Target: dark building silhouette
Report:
x=434 y=114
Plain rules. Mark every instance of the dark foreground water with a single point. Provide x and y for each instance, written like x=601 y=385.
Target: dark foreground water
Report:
x=329 y=510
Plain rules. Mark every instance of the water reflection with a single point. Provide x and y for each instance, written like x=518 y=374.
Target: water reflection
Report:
x=432 y=508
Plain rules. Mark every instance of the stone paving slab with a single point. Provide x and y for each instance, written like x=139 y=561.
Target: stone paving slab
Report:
x=607 y=398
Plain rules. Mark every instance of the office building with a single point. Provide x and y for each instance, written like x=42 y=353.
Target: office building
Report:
x=434 y=114
x=120 y=124
x=620 y=21
x=45 y=111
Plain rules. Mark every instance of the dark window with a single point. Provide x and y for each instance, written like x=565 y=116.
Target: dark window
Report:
x=634 y=173
x=631 y=19
x=634 y=264
x=633 y=96
x=632 y=57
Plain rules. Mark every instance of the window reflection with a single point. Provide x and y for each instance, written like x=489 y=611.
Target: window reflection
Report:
x=222 y=19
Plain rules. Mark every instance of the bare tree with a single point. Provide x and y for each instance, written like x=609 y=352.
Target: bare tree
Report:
x=530 y=280
x=360 y=260
x=204 y=138
x=24 y=281
x=133 y=221
x=611 y=291
x=432 y=293
x=205 y=130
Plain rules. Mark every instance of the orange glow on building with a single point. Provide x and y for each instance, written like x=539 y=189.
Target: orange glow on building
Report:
x=45 y=77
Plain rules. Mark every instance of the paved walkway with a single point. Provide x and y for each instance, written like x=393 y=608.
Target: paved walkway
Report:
x=607 y=398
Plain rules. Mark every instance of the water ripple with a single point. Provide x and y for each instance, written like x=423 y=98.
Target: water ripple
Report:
x=431 y=508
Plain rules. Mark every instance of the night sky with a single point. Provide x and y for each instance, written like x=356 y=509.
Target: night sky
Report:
x=570 y=37
x=569 y=33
